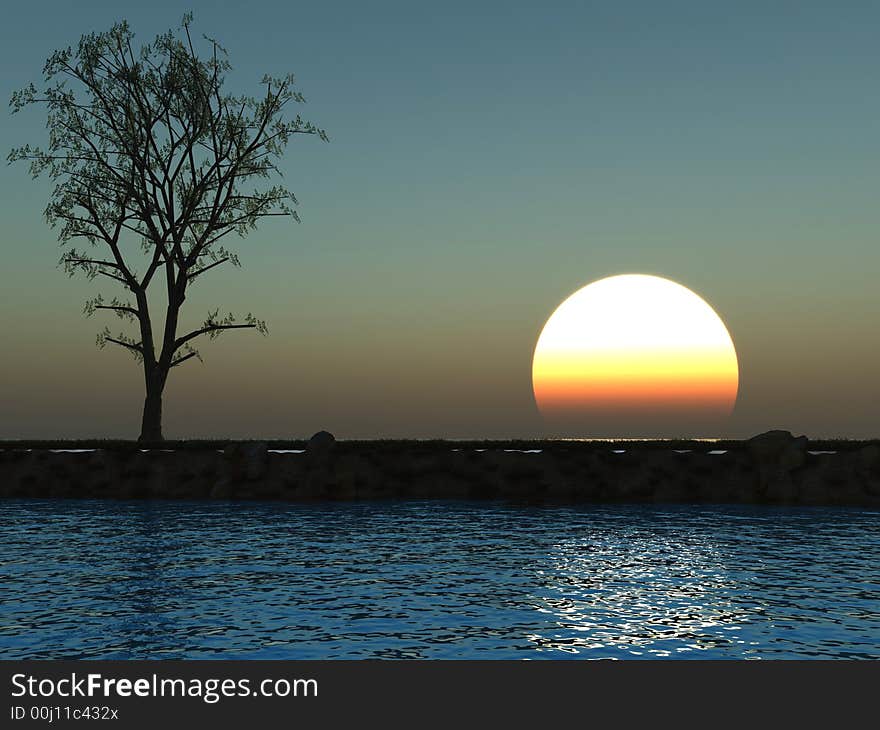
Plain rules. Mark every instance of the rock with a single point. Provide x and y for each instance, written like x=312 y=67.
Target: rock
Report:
x=814 y=488
x=221 y=490
x=321 y=444
x=782 y=490
x=778 y=448
x=869 y=456
x=670 y=491
x=247 y=461
x=794 y=455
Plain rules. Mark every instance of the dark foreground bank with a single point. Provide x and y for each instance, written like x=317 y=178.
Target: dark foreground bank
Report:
x=771 y=468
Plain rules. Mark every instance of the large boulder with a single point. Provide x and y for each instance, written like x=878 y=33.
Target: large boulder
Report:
x=778 y=449
x=321 y=444
x=776 y=454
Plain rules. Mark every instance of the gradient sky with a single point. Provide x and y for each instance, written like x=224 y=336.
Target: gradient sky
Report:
x=487 y=160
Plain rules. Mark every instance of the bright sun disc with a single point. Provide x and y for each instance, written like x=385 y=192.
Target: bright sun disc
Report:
x=634 y=355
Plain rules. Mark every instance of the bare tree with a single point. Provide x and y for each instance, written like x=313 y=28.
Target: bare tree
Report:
x=154 y=164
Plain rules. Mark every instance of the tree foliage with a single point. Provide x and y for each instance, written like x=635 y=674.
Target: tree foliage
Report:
x=154 y=165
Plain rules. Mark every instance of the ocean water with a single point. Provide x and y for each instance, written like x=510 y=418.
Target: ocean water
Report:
x=472 y=580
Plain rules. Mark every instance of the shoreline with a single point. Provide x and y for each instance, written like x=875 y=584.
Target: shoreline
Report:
x=773 y=468
x=821 y=444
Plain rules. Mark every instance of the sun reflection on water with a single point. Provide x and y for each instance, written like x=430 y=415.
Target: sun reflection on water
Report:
x=649 y=595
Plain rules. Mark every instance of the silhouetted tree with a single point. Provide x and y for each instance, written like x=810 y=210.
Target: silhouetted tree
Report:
x=154 y=164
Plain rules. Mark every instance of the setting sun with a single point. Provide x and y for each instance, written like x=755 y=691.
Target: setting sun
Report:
x=634 y=349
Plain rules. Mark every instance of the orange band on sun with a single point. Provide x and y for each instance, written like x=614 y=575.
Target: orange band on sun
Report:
x=634 y=342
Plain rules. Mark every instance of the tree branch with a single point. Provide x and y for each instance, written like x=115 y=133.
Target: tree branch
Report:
x=92 y=262
x=137 y=347
x=117 y=278
x=130 y=310
x=186 y=357
x=211 y=328
x=194 y=274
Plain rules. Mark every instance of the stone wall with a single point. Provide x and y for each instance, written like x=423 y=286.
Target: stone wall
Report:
x=771 y=468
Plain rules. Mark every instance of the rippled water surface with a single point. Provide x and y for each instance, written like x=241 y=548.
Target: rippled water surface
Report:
x=435 y=580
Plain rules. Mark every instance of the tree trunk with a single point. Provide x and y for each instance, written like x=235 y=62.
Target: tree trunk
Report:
x=151 y=424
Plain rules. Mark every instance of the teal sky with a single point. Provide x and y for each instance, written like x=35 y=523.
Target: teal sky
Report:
x=486 y=160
